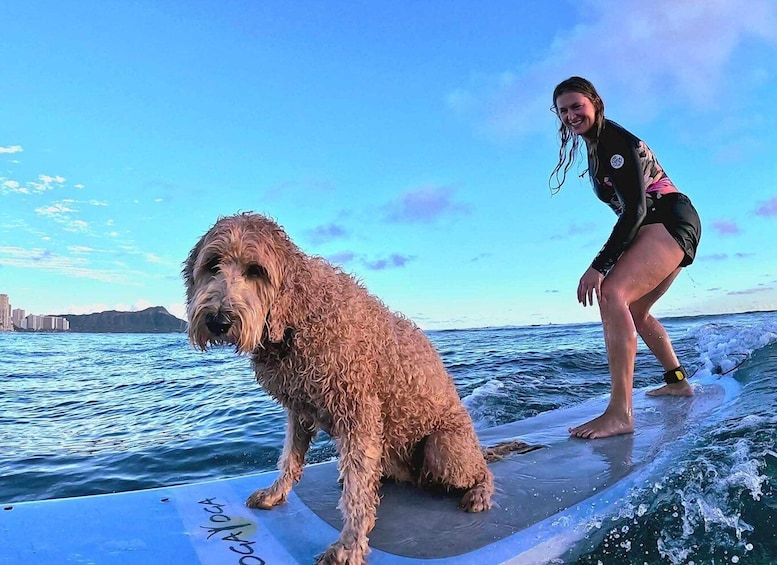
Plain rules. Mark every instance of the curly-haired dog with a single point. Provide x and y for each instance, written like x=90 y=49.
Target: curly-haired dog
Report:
x=338 y=360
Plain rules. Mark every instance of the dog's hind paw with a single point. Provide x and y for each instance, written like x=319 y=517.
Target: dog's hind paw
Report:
x=264 y=499
x=476 y=499
x=340 y=554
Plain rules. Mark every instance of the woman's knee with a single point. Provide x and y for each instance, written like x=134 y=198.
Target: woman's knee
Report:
x=612 y=294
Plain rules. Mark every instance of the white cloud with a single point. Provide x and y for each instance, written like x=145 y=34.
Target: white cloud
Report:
x=11 y=186
x=57 y=210
x=42 y=184
x=85 y=309
x=77 y=226
x=45 y=182
x=62 y=212
x=141 y=305
x=660 y=51
x=45 y=260
x=49 y=179
x=11 y=149
x=178 y=310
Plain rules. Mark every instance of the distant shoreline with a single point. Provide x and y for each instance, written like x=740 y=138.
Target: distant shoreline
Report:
x=153 y=320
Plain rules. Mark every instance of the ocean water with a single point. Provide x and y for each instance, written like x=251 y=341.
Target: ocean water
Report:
x=85 y=414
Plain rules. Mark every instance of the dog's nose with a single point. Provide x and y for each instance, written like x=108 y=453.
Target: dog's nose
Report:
x=218 y=323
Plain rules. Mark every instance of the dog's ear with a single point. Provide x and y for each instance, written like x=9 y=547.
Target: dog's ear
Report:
x=289 y=280
x=279 y=316
x=188 y=268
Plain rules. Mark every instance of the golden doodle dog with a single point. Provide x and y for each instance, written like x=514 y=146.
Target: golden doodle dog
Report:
x=340 y=361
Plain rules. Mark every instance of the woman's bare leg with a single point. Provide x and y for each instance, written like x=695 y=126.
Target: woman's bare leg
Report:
x=655 y=337
x=651 y=259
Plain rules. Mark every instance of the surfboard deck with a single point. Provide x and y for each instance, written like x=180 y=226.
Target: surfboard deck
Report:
x=543 y=501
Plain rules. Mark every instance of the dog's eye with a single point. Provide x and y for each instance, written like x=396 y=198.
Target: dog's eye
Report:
x=255 y=271
x=212 y=266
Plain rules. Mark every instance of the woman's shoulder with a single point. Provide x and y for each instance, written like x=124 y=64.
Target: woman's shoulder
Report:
x=613 y=132
x=614 y=128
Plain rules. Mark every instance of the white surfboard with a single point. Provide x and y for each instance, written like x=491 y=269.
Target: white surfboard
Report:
x=545 y=501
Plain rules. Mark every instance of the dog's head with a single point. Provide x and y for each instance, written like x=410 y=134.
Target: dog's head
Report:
x=235 y=283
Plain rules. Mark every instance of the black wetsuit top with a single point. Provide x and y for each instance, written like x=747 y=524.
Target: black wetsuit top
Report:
x=624 y=170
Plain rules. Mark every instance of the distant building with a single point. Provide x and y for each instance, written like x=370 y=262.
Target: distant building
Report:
x=33 y=322
x=53 y=323
x=17 y=317
x=5 y=314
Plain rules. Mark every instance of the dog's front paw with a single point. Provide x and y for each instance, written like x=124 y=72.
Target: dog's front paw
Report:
x=265 y=499
x=340 y=554
x=476 y=499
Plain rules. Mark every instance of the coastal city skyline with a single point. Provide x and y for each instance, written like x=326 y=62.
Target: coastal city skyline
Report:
x=409 y=144
x=12 y=318
x=152 y=319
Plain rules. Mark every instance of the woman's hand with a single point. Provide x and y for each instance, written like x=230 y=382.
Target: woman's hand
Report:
x=590 y=283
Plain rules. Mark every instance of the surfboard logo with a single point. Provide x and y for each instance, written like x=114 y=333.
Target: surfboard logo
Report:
x=236 y=531
x=617 y=161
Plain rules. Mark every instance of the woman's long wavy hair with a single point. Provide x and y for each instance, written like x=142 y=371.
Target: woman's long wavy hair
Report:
x=566 y=156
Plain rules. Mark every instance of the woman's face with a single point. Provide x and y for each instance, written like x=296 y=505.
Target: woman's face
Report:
x=576 y=111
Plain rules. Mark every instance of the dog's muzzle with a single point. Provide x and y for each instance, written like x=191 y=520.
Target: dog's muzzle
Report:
x=218 y=323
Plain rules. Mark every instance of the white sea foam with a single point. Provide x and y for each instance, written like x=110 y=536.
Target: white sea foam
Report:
x=723 y=347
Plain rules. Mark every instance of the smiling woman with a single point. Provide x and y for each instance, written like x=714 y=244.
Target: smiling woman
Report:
x=655 y=236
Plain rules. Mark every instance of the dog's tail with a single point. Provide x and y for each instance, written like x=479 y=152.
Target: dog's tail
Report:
x=498 y=451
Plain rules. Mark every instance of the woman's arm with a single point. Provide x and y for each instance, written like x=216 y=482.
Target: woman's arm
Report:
x=619 y=159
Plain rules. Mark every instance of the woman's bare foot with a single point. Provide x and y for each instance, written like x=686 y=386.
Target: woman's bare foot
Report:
x=683 y=388
x=606 y=425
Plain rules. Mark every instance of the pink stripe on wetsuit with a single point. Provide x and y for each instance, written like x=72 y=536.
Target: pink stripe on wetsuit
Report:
x=662 y=186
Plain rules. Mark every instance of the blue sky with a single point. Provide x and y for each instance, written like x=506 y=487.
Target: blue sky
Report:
x=410 y=142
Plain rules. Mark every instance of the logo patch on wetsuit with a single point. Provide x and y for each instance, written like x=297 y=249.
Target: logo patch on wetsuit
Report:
x=617 y=161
